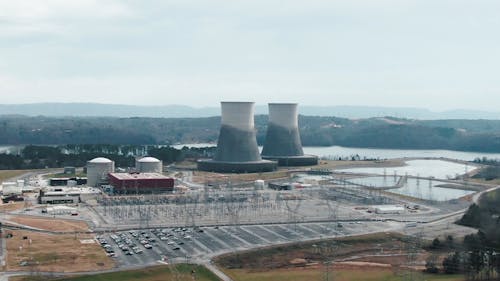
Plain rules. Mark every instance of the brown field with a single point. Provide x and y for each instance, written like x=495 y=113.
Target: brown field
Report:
x=51 y=224
x=51 y=252
x=179 y=272
x=11 y=206
x=206 y=177
x=366 y=257
x=283 y=172
x=335 y=273
x=8 y=174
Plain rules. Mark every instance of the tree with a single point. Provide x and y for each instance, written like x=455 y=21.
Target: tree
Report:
x=431 y=264
x=451 y=264
x=436 y=244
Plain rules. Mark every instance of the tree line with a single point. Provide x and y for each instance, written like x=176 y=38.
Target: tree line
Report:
x=39 y=157
x=478 y=258
x=387 y=132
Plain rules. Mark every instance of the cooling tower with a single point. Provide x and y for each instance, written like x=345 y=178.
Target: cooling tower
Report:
x=283 y=139
x=237 y=150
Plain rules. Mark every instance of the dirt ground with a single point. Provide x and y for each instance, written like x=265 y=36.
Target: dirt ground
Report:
x=51 y=224
x=283 y=172
x=11 y=206
x=50 y=252
x=377 y=249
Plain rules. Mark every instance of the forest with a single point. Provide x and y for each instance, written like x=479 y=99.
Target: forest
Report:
x=38 y=157
x=387 y=132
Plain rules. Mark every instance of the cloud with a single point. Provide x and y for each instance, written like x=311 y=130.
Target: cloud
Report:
x=314 y=52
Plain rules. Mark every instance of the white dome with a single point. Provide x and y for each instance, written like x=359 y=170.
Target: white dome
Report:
x=100 y=160
x=148 y=160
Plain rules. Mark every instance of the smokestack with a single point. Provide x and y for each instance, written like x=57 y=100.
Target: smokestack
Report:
x=237 y=149
x=283 y=139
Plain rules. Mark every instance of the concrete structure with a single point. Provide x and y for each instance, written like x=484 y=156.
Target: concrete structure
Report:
x=140 y=183
x=66 y=181
x=11 y=188
x=237 y=150
x=67 y=195
x=69 y=170
x=283 y=139
x=389 y=209
x=98 y=170
x=149 y=165
x=60 y=210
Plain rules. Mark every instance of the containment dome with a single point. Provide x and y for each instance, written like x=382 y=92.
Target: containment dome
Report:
x=149 y=165
x=98 y=170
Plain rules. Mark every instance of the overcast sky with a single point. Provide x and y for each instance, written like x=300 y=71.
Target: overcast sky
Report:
x=434 y=54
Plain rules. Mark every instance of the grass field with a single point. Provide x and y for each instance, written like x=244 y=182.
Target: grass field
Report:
x=358 y=274
x=357 y=259
x=49 y=252
x=51 y=224
x=182 y=272
x=7 y=174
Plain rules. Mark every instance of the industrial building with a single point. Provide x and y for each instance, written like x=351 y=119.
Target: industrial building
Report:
x=140 y=183
x=149 y=165
x=67 y=181
x=388 y=209
x=67 y=195
x=283 y=139
x=237 y=150
x=98 y=170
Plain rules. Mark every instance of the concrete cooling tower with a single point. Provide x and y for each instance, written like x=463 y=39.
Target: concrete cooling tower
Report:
x=283 y=139
x=98 y=170
x=237 y=150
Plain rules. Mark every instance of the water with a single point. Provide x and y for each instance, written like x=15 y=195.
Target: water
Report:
x=376 y=181
x=428 y=190
x=376 y=153
x=424 y=168
x=194 y=145
x=7 y=148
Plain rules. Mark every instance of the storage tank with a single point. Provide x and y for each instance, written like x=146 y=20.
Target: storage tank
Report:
x=98 y=170
x=237 y=150
x=149 y=165
x=283 y=139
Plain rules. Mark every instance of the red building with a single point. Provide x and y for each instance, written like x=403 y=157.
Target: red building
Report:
x=135 y=183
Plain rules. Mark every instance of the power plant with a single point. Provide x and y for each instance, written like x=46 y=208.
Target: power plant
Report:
x=283 y=139
x=237 y=150
x=98 y=170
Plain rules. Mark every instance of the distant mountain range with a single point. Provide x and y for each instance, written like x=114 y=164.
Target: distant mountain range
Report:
x=183 y=111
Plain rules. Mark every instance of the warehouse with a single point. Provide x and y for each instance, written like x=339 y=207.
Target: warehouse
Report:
x=140 y=183
x=66 y=195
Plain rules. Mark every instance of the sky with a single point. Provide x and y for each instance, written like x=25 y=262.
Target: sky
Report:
x=434 y=54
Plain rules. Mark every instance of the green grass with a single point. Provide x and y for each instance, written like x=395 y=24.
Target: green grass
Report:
x=156 y=273
x=339 y=275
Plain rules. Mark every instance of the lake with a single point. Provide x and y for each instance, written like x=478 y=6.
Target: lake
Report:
x=424 y=168
x=377 y=153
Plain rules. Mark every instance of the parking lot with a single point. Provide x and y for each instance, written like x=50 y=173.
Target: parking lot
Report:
x=145 y=247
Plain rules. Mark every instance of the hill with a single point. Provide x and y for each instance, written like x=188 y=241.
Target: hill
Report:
x=182 y=111
x=385 y=132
